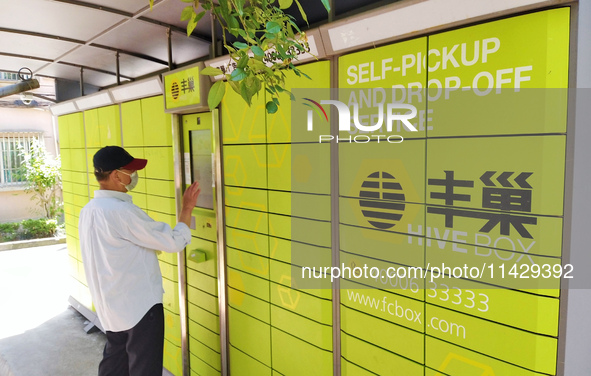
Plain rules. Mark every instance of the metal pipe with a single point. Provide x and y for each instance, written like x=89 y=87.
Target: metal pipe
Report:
x=19 y=87
x=221 y=246
x=169 y=36
x=214 y=43
x=177 y=150
x=334 y=223
x=44 y=97
x=118 y=69
x=81 y=81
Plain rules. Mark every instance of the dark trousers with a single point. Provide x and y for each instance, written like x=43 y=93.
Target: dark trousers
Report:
x=137 y=351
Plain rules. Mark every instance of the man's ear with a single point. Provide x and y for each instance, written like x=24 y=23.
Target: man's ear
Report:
x=114 y=177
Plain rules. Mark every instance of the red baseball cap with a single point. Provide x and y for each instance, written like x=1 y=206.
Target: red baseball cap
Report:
x=112 y=158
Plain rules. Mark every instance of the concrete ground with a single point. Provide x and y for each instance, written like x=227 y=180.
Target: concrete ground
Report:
x=40 y=335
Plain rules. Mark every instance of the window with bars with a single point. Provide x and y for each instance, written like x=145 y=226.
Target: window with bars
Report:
x=11 y=160
x=7 y=76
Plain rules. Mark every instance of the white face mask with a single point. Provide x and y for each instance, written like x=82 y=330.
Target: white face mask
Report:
x=134 y=179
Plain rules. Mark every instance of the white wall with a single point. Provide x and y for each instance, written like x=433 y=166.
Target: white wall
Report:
x=29 y=119
x=16 y=205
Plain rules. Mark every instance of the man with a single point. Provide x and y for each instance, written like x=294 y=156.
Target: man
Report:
x=119 y=242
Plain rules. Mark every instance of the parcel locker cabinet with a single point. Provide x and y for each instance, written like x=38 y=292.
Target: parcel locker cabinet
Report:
x=273 y=326
x=145 y=130
x=474 y=185
x=198 y=148
x=76 y=195
x=147 y=133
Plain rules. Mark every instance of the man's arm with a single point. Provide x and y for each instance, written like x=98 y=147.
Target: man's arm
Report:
x=189 y=201
x=146 y=232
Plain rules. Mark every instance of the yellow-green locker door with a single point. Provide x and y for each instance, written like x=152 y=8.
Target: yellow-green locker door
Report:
x=201 y=256
x=75 y=194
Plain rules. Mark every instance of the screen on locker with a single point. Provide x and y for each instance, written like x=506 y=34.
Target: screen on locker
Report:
x=202 y=166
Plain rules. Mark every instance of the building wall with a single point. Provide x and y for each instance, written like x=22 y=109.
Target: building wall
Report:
x=17 y=203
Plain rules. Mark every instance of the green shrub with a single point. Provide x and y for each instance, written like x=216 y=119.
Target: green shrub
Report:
x=9 y=231
x=30 y=229
x=38 y=228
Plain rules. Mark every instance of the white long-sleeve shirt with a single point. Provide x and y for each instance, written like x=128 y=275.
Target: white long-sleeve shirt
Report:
x=119 y=243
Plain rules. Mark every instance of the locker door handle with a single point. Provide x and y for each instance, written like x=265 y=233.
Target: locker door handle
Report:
x=197 y=256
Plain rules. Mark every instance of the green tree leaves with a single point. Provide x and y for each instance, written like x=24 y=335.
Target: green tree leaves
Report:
x=284 y=4
x=42 y=174
x=216 y=94
x=265 y=50
x=240 y=45
x=211 y=71
x=258 y=51
x=193 y=22
x=273 y=27
x=271 y=107
x=238 y=74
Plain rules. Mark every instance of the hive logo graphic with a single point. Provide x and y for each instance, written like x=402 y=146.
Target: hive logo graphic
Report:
x=381 y=200
x=376 y=188
x=175 y=90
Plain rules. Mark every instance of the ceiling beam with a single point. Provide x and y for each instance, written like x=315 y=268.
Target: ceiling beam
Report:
x=83 y=43
x=44 y=97
x=195 y=34
x=127 y=17
x=134 y=54
x=96 y=6
x=140 y=16
x=96 y=70
x=8 y=54
x=64 y=63
x=40 y=35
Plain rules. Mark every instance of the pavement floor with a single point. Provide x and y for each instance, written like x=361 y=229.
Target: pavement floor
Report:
x=40 y=334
